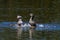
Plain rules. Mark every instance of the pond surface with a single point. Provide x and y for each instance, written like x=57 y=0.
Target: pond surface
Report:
x=39 y=26
x=43 y=32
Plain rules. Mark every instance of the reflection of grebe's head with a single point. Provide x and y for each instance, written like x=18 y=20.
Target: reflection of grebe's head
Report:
x=19 y=17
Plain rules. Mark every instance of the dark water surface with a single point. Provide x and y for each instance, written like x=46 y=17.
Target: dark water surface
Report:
x=43 y=32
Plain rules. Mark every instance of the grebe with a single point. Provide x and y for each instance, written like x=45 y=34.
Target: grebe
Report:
x=19 y=28
x=32 y=27
x=32 y=22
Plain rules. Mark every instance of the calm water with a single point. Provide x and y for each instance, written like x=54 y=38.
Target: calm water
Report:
x=49 y=27
x=43 y=32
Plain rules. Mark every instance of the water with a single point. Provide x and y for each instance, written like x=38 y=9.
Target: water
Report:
x=43 y=32
x=39 y=26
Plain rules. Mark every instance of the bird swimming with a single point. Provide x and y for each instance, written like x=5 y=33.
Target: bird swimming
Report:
x=32 y=22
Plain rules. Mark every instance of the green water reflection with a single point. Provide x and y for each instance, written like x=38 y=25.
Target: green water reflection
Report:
x=11 y=34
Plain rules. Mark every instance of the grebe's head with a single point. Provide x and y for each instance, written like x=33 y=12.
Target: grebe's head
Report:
x=19 y=17
x=31 y=14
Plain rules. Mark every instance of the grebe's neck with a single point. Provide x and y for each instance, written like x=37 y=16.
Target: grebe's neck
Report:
x=20 y=20
x=31 y=20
